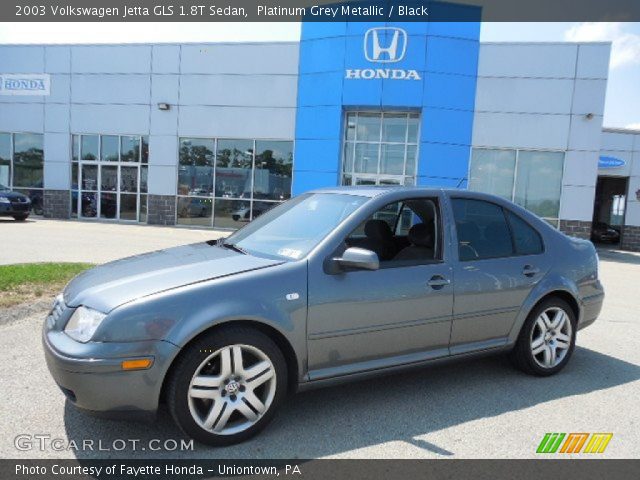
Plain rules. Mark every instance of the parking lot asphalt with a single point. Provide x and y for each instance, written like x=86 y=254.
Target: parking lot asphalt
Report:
x=481 y=408
x=40 y=240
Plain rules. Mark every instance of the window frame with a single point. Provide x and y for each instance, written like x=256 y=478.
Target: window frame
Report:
x=142 y=164
x=504 y=210
x=378 y=176
x=26 y=190
x=554 y=221
x=252 y=200
x=438 y=251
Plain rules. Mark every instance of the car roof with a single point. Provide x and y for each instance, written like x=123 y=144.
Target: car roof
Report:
x=375 y=191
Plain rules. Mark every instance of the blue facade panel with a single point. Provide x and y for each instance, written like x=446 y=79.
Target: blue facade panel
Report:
x=443 y=160
x=432 y=71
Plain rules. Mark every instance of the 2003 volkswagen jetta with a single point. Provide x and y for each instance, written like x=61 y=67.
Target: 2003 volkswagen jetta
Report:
x=334 y=284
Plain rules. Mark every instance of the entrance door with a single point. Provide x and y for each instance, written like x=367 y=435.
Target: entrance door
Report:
x=109 y=177
x=109 y=191
x=609 y=209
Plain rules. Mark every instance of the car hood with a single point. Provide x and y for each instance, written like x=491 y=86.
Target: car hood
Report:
x=105 y=287
x=9 y=194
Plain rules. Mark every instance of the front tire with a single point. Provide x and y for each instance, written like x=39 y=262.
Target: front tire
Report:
x=227 y=385
x=20 y=218
x=547 y=339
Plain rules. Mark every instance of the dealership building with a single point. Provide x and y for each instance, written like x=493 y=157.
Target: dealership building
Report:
x=214 y=134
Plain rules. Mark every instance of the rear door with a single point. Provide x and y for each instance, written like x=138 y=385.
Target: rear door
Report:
x=500 y=259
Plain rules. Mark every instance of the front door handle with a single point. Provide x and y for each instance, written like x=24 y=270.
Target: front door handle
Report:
x=530 y=271
x=437 y=282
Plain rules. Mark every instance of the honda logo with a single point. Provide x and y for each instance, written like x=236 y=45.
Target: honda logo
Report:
x=385 y=44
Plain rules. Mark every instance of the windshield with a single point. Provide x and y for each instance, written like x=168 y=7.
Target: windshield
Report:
x=292 y=229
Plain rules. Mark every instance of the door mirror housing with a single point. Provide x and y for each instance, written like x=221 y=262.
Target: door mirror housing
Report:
x=358 y=258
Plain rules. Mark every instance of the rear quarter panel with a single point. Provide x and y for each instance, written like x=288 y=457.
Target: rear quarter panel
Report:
x=574 y=271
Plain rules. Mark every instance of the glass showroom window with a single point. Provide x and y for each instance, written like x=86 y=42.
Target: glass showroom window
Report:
x=227 y=182
x=532 y=179
x=109 y=177
x=380 y=148
x=22 y=165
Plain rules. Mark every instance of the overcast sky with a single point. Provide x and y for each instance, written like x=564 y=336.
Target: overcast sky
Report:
x=623 y=90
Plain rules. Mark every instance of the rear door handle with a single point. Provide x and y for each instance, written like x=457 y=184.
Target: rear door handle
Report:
x=530 y=271
x=437 y=282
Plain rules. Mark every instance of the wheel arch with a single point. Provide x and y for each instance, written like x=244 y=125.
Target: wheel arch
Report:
x=559 y=292
x=564 y=295
x=280 y=340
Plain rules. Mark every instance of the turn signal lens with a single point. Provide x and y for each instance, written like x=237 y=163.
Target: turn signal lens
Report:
x=137 y=364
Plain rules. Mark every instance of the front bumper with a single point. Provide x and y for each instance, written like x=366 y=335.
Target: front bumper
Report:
x=11 y=209
x=91 y=377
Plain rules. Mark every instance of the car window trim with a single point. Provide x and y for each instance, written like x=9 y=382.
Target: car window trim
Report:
x=513 y=237
x=438 y=252
x=506 y=218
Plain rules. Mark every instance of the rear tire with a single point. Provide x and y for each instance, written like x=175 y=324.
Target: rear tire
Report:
x=227 y=385
x=20 y=218
x=547 y=338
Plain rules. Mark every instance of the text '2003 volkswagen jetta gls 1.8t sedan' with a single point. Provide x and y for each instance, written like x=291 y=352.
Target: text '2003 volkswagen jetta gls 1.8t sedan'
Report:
x=332 y=285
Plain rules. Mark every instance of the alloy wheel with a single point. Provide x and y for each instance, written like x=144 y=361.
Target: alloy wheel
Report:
x=551 y=337
x=232 y=389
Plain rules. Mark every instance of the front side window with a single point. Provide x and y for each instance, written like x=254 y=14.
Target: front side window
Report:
x=532 y=179
x=400 y=233
x=291 y=230
x=380 y=148
x=482 y=230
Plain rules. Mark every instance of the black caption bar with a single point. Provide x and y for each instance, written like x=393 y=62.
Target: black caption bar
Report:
x=318 y=11
x=114 y=469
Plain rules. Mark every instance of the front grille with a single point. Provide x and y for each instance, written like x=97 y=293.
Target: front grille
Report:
x=19 y=207
x=20 y=200
x=56 y=312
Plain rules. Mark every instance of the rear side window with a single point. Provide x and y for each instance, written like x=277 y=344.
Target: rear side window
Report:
x=526 y=239
x=482 y=230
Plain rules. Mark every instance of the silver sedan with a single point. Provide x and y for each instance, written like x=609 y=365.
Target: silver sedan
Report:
x=331 y=286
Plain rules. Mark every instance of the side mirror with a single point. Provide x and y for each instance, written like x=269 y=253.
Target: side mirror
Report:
x=358 y=258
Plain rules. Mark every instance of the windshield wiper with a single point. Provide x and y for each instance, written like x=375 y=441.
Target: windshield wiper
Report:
x=231 y=246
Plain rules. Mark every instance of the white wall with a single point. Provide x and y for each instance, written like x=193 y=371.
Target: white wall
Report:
x=531 y=96
x=536 y=96
x=215 y=90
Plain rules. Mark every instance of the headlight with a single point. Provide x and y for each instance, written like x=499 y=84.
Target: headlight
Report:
x=4 y=200
x=83 y=324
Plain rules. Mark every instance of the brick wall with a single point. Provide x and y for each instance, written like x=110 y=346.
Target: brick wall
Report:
x=630 y=238
x=161 y=210
x=56 y=204
x=576 y=228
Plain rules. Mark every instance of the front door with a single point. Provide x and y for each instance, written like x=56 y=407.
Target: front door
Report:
x=401 y=313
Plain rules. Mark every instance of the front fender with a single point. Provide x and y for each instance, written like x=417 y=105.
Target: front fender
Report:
x=552 y=282
x=180 y=315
